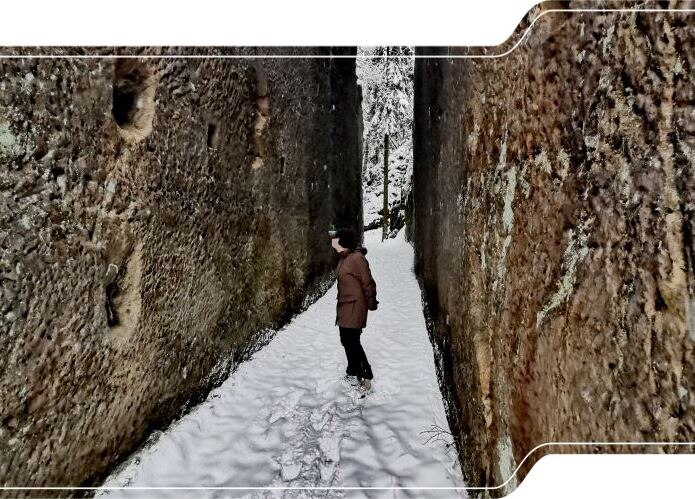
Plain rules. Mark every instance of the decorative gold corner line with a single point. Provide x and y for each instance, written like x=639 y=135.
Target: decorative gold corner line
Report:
x=338 y=56
x=579 y=444
x=549 y=11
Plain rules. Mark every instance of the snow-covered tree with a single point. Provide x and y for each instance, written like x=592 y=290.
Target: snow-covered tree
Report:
x=387 y=108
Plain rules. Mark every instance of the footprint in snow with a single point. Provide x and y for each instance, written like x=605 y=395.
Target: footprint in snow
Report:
x=285 y=408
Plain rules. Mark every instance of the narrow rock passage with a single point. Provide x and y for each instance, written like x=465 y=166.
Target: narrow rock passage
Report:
x=288 y=418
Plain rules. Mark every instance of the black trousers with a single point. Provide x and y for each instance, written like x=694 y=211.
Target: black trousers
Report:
x=358 y=365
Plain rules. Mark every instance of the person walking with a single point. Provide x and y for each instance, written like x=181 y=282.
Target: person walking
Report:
x=356 y=295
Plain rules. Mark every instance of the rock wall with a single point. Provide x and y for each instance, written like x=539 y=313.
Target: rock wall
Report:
x=554 y=205
x=158 y=214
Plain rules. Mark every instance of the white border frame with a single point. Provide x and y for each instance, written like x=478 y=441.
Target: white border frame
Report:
x=341 y=56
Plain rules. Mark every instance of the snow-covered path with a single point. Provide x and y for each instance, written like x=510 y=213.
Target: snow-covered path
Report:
x=288 y=418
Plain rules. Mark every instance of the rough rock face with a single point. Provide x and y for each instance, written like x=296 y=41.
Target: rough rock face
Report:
x=554 y=205
x=157 y=215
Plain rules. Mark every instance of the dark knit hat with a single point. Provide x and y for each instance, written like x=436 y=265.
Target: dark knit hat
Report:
x=346 y=237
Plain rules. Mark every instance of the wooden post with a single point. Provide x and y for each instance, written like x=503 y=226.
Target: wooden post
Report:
x=385 y=212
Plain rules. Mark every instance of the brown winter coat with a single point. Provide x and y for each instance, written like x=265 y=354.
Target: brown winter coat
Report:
x=356 y=289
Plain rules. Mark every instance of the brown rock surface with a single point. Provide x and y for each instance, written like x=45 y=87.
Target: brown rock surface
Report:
x=553 y=210
x=144 y=246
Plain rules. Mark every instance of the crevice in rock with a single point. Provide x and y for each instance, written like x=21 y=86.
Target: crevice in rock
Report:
x=260 y=124
x=123 y=296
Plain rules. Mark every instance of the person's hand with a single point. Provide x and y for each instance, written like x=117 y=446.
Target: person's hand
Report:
x=372 y=304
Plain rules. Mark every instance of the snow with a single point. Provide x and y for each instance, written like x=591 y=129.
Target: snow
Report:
x=387 y=108
x=289 y=418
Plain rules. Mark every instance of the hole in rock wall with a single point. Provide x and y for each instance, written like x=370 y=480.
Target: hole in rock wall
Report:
x=282 y=165
x=659 y=302
x=213 y=135
x=111 y=312
x=132 y=108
